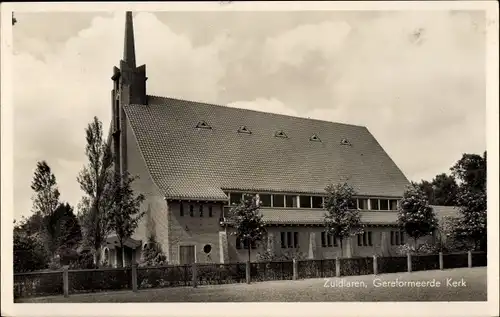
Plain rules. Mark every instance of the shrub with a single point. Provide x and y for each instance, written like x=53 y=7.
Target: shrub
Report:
x=152 y=254
x=422 y=249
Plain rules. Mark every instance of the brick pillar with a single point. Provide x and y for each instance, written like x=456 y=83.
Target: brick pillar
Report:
x=385 y=243
x=348 y=247
x=312 y=245
x=65 y=281
x=270 y=243
x=223 y=244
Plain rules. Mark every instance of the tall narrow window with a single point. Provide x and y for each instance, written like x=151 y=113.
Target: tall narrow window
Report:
x=402 y=235
x=393 y=204
x=323 y=239
x=370 y=242
x=181 y=209
x=335 y=242
x=295 y=239
x=330 y=240
x=374 y=204
x=191 y=210
x=362 y=203
x=245 y=244
x=305 y=201
x=278 y=201
x=384 y=204
x=235 y=198
x=291 y=201
x=317 y=202
x=289 y=239
x=201 y=210
x=360 y=240
x=393 y=240
x=210 y=211
x=283 y=240
x=265 y=200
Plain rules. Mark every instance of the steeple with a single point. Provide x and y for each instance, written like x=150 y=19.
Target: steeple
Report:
x=129 y=47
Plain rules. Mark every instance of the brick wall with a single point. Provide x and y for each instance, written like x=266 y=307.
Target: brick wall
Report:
x=196 y=230
x=320 y=252
x=155 y=220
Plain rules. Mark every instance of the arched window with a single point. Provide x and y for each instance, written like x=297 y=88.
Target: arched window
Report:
x=106 y=255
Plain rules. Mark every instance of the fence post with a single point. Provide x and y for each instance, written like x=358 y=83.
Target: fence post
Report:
x=375 y=265
x=247 y=272
x=65 y=281
x=195 y=274
x=469 y=258
x=337 y=267
x=134 y=277
x=409 y=261
x=441 y=263
x=295 y=270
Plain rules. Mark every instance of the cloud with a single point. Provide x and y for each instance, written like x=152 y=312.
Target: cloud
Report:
x=415 y=79
x=56 y=97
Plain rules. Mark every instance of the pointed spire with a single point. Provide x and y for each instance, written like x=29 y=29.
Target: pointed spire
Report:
x=129 y=48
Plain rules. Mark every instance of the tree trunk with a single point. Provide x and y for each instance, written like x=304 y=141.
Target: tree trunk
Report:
x=341 y=248
x=249 y=247
x=123 y=255
x=97 y=256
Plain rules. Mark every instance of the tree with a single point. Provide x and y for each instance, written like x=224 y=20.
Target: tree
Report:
x=428 y=190
x=415 y=215
x=96 y=180
x=62 y=229
x=46 y=198
x=247 y=221
x=152 y=254
x=442 y=190
x=470 y=170
x=124 y=217
x=29 y=253
x=341 y=219
x=445 y=190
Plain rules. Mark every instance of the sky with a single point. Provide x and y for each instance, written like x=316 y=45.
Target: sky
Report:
x=416 y=80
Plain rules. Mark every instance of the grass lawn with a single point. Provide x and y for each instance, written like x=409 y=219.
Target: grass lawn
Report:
x=311 y=290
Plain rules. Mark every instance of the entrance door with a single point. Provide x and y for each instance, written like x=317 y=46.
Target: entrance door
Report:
x=186 y=254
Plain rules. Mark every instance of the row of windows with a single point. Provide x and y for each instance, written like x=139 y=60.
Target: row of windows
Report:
x=397 y=237
x=327 y=240
x=303 y=201
x=243 y=244
x=289 y=239
x=200 y=210
x=365 y=239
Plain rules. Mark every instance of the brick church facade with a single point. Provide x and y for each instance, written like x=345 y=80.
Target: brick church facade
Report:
x=195 y=159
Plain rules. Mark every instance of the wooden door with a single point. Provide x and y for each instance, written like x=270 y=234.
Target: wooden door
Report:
x=186 y=254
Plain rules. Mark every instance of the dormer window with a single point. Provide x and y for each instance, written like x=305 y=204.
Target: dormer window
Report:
x=244 y=129
x=280 y=134
x=203 y=125
x=314 y=138
x=345 y=142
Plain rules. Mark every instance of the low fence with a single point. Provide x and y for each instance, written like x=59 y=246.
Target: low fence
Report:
x=34 y=284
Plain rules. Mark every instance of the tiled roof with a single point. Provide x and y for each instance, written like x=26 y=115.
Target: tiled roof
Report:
x=190 y=162
x=316 y=216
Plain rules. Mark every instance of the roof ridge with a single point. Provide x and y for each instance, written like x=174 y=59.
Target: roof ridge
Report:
x=258 y=111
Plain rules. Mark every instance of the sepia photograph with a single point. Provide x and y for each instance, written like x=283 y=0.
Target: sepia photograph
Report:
x=239 y=155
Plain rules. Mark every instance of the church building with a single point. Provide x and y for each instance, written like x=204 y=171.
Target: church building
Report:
x=195 y=159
